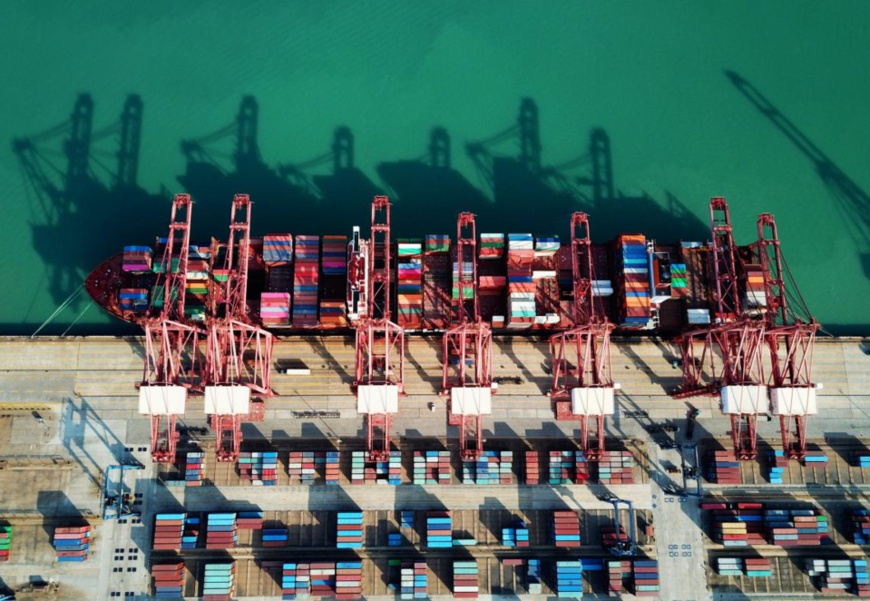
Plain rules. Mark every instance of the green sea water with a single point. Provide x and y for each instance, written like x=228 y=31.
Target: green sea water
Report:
x=764 y=103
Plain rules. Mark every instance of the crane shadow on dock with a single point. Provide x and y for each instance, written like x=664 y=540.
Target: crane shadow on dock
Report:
x=78 y=423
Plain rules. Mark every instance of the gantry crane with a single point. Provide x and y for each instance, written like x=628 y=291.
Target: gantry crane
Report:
x=467 y=353
x=172 y=353
x=730 y=361
x=624 y=548
x=789 y=338
x=379 y=377
x=585 y=390
x=238 y=351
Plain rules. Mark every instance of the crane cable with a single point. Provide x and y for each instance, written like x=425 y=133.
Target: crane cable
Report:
x=62 y=306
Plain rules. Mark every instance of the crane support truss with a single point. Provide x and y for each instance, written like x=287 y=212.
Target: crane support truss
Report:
x=379 y=376
x=790 y=341
x=173 y=355
x=467 y=349
x=582 y=387
x=726 y=358
x=238 y=352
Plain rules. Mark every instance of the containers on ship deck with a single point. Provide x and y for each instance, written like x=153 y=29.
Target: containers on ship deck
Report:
x=133 y=299
x=305 y=281
x=521 y=287
x=275 y=308
x=333 y=282
x=277 y=249
x=633 y=291
x=436 y=281
x=410 y=283
x=136 y=259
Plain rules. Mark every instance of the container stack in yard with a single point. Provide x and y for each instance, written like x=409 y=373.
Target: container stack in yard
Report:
x=168 y=531
x=439 y=529
x=406 y=519
x=349 y=530
x=795 y=527
x=194 y=463
x=333 y=283
x=778 y=462
x=533 y=468
x=859 y=459
x=646 y=578
x=168 y=579
x=295 y=581
x=533 y=577
x=275 y=537
x=465 y=580
x=221 y=531
x=517 y=535
x=191 y=532
x=758 y=567
x=616 y=467
x=302 y=466
x=722 y=467
x=410 y=285
x=414 y=580
x=618 y=571
x=729 y=566
x=840 y=576
x=364 y=471
x=322 y=579
x=219 y=581
x=348 y=580
x=332 y=472
x=260 y=467
x=568 y=467
x=813 y=458
x=5 y=542
x=493 y=467
x=305 y=281
x=72 y=543
x=860 y=519
x=569 y=578
x=250 y=520
x=565 y=529
x=432 y=467
x=740 y=526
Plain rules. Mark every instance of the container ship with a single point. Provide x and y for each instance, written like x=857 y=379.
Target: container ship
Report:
x=300 y=283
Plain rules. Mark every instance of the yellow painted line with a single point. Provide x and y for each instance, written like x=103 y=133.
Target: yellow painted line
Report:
x=9 y=406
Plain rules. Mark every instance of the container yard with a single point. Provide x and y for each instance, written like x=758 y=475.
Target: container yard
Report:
x=365 y=421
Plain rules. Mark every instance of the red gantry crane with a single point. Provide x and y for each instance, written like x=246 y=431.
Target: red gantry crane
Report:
x=790 y=338
x=238 y=351
x=379 y=378
x=730 y=360
x=172 y=352
x=585 y=390
x=467 y=357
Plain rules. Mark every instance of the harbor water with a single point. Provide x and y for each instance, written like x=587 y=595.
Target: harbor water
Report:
x=763 y=103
